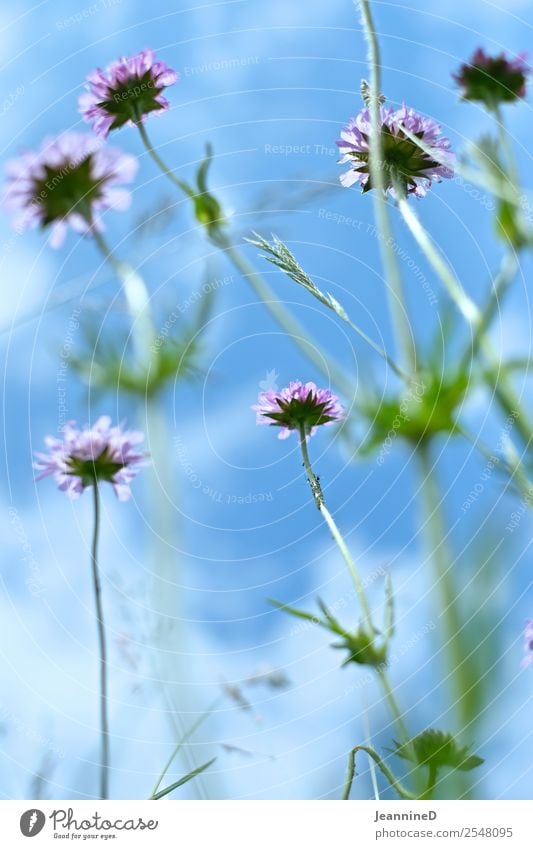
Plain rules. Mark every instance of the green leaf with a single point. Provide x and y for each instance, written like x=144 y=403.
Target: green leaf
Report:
x=183 y=780
x=300 y=614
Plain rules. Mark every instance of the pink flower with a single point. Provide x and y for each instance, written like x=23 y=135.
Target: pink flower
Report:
x=68 y=182
x=412 y=166
x=299 y=405
x=126 y=92
x=85 y=457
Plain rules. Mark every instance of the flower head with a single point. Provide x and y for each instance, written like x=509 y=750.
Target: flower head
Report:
x=438 y=749
x=67 y=182
x=402 y=158
x=493 y=79
x=85 y=457
x=299 y=405
x=528 y=644
x=126 y=92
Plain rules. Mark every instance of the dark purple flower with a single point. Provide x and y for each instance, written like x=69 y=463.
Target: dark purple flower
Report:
x=528 y=644
x=98 y=453
x=67 y=182
x=414 y=168
x=298 y=405
x=493 y=79
x=126 y=92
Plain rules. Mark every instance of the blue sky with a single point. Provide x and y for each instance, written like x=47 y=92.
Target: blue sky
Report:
x=269 y=85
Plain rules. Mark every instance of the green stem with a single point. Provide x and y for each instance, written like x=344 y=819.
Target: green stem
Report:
x=183 y=739
x=104 y=725
x=318 y=496
x=402 y=327
x=391 y=778
x=432 y=781
x=161 y=164
x=466 y=306
x=499 y=289
x=451 y=617
x=512 y=168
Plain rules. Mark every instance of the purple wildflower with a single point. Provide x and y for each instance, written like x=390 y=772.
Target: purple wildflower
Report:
x=86 y=457
x=414 y=168
x=493 y=79
x=528 y=644
x=126 y=92
x=67 y=182
x=298 y=405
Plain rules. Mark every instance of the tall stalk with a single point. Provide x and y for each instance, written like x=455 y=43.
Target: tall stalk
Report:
x=104 y=723
x=443 y=579
x=370 y=629
x=397 y=304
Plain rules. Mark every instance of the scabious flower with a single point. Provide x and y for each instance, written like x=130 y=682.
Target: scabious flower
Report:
x=85 y=457
x=493 y=79
x=298 y=405
x=528 y=644
x=126 y=92
x=412 y=166
x=67 y=183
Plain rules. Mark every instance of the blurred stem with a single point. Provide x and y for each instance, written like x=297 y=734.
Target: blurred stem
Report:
x=318 y=496
x=183 y=739
x=104 y=725
x=503 y=135
x=499 y=289
x=397 y=304
x=391 y=778
x=138 y=300
x=161 y=164
x=444 y=583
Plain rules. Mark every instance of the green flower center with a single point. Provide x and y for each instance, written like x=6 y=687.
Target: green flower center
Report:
x=69 y=188
x=102 y=468
x=129 y=102
x=295 y=413
x=401 y=157
x=495 y=83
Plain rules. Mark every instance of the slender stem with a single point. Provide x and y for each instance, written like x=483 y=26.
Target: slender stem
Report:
x=318 y=495
x=183 y=739
x=391 y=778
x=444 y=583
x=161 y=164
x=104 y=725
x=466 y=306
x=499 y=289
x=402 y=327
x=505 y=144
